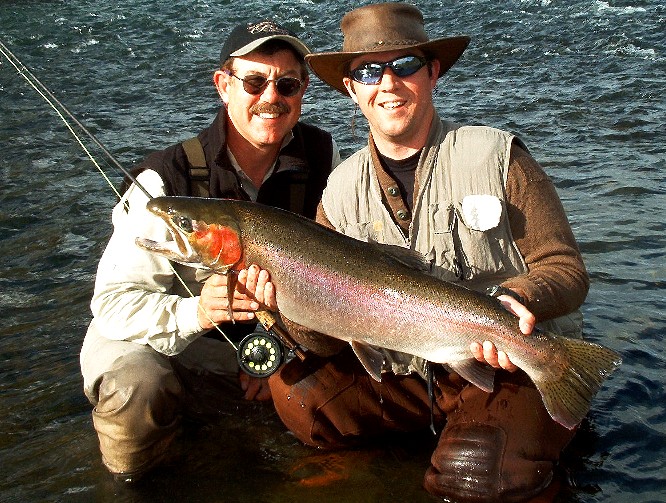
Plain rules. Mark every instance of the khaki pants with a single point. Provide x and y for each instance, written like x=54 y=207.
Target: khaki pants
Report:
x=140 y=396
x=500 y=446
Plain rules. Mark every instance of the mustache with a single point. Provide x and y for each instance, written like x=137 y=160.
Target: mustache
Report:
x=270 y=108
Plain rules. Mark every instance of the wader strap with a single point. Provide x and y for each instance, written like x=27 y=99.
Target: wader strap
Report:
x=199 y=171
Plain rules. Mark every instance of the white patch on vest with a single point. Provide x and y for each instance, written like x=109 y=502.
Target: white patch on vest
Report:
x=481 y=212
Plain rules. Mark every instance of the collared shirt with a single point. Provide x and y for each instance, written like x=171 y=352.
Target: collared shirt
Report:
x=246 y=182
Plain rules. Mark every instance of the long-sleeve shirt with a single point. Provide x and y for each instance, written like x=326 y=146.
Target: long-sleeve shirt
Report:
x=137 y=296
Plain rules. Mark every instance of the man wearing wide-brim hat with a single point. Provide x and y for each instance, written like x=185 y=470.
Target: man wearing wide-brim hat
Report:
x=483 y=213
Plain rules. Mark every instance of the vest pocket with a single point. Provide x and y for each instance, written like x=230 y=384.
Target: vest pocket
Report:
x=466 y=254
x=484 y=252
x=441 y=254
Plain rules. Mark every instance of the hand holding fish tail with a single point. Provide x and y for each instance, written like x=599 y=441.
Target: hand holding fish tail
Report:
x=488 y=353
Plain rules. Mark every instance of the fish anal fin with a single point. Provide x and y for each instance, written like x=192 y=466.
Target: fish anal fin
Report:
x=371 y=359
x=480 y=375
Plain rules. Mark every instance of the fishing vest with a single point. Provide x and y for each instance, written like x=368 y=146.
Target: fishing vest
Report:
x=199 y=174
x=200 y=167
x=460 y=222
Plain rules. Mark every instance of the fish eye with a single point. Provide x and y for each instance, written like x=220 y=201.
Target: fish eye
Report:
x=184 y=223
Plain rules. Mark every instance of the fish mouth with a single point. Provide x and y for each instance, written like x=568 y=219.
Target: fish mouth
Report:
x=178 y=249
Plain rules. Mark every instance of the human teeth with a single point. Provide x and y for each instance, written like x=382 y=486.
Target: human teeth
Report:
x=266 y=115
x=392 y=104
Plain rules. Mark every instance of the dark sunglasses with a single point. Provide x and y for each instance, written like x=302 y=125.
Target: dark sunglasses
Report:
x=255 y=84
x=372 y=73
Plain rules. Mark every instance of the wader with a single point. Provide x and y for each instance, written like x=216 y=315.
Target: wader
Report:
x=499 y=446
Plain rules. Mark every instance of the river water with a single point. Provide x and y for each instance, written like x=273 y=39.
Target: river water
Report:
x=582 y=82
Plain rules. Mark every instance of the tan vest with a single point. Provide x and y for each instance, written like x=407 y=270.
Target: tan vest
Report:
x=459 y=223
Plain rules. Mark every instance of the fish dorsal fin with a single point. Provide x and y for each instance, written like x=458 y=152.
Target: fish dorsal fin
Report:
x=406 y=256
x=371 y=359
x=479 y=374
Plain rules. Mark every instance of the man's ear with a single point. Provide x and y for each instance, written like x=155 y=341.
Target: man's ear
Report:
x=221 y=81
x=349 y=84
x=433 y=69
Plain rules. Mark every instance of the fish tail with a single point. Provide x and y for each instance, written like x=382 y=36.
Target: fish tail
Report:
x=567 y=397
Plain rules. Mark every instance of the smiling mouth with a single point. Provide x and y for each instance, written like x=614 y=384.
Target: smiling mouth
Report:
x=266 y=115
x=392 y=105
x=265 y=110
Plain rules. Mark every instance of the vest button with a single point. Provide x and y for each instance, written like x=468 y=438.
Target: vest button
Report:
x=402 y=214
x=394 y=191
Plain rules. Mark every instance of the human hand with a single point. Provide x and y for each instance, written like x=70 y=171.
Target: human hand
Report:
x=214 y=303
x=255 y=388
x=487 y=352
x=255 y=282
x=252 y=291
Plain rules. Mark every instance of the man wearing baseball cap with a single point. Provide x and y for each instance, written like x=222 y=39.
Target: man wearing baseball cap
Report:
x=151 y=341
x=483 y=213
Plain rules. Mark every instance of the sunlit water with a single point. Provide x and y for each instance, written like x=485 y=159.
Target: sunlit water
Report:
x=581 y=82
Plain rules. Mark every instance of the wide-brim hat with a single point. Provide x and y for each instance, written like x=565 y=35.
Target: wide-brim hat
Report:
x=380 y=28
x=245 y=38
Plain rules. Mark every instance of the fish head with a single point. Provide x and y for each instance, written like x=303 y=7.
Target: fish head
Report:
x=203 y=236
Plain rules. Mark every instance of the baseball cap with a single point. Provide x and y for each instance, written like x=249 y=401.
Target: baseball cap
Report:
x=245 y=38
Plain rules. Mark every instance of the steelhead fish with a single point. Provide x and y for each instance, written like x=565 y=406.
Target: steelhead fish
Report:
x=377 y=295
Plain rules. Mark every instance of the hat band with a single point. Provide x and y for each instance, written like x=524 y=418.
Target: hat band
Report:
x=383 y=44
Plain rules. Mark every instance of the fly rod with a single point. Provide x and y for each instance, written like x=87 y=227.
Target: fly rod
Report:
x=61 y=109
x=50 y=98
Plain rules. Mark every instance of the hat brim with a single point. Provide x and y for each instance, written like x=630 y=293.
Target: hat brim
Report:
x=293 y=41
x=331 y=67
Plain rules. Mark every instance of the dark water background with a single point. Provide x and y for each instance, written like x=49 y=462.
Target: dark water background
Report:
x=582 y=82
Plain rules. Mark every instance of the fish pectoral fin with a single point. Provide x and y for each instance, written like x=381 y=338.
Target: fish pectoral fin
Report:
x=371 y=359
x=479 y=374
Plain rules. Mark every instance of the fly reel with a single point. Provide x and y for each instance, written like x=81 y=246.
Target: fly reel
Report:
x=260 y=354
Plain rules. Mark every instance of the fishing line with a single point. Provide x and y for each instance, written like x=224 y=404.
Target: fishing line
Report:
x=49 y=97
